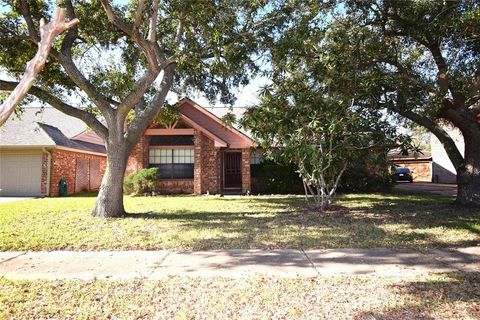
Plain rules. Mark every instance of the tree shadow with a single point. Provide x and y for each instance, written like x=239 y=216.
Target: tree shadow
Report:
x=455 y=295
x=288 y=222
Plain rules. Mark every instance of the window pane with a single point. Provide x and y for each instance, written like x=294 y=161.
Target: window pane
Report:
x=183 y=171
x=256 y=157
x=165 y=171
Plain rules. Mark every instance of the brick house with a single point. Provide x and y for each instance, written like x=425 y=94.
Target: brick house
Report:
x=420 y=164
x=198 y=154
x=34 y=156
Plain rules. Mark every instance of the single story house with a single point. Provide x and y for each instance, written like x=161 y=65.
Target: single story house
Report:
x=419 y=164
x=34 y=156
x=198 y=154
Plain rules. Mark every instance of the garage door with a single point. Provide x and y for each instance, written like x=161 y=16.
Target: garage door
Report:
x=20 y=174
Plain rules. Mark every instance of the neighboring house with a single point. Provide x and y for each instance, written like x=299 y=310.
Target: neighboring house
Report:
x=419 y=164
x=443 y=169
x=35 y=156
x=198 y=154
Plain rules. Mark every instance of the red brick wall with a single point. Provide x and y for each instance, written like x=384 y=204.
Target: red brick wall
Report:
x=64 y=166
x=197 y=168
x=421 y=170
x=43 y=188
x=246 y=187
x=207 y=165
x=175 y=186
x=139 y=157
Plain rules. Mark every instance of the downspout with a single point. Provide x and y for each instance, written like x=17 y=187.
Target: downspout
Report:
x=49 y=167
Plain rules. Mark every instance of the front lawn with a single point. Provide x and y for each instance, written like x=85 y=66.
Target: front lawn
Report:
x=447 y=296
x=213 y=222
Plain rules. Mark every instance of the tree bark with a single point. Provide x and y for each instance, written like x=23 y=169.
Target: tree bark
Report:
x=468 y=175
x=48 y=33
x=109 y=203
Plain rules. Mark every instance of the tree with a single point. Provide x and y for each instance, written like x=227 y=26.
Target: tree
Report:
x=129 y=57
x=48 y=33
x=298 y=121
x=419 y=60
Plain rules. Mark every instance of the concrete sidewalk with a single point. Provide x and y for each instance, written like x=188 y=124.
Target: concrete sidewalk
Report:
x=234 y=263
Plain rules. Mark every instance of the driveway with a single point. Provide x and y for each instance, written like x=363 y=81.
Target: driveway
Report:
x=438 y=188
x=11 y=199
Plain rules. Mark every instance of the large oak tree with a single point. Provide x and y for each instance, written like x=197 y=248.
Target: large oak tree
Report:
x=126 y=58
x=418 y=60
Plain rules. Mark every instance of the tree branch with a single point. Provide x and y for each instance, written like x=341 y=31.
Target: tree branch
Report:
x=138 y=14
x=152 y=30
x=47 y=35
x=25 y=10
x=102 y=102
x=72 y=33
x=45 y=96
x=442 y=135
x=149 y=49
x=141 y=121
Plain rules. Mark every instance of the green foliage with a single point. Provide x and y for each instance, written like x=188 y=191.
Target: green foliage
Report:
x=407 y=56
x=362 y=179
x=216 y=52
x=229 y=119
x=278 y=178
x=298 y=122
x=167 y=116
x=141 y=181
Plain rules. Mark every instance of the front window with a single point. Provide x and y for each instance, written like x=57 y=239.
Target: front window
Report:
x=255 y=161
x=173 y=163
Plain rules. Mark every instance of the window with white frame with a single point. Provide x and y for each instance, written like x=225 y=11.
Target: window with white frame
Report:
x=172 y=163
x=255 y=161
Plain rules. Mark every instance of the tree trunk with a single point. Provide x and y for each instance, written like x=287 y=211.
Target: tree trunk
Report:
x=109 y=202
x=468 y=175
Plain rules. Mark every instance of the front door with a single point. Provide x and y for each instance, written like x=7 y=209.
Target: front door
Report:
x=232 y=170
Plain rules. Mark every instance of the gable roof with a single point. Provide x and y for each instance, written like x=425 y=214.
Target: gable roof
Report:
x=62 y=141
x=210 y=124
x=25 y=131
x=29 y=131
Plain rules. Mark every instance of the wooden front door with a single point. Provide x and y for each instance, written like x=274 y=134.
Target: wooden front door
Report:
x=233 y=170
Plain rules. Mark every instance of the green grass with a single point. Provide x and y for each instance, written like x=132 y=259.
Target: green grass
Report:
x=212 y=222
x=440 y=296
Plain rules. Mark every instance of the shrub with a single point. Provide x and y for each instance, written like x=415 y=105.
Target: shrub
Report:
x=278 y=178
x=361 y=179
x=141 y=181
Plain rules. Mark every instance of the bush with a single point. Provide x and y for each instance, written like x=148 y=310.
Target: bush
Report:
x=278 y=178
x=360 y=179
x=141 y=181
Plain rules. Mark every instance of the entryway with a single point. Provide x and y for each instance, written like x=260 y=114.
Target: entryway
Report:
x=232 y=171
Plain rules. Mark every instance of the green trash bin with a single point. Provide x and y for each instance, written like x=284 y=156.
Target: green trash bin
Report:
x=62 y=188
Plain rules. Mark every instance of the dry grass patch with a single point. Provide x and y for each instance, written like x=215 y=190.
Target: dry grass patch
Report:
x=447 y=296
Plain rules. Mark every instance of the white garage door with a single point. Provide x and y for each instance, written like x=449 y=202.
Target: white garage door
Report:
x=20 y=174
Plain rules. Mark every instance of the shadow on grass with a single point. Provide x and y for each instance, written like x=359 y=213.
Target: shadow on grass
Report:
x=457 y=296
x=286 y=222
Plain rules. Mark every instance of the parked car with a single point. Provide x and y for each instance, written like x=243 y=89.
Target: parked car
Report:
x=403 y=174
